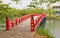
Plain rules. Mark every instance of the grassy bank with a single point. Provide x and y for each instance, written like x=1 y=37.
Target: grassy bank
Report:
x=43 y=32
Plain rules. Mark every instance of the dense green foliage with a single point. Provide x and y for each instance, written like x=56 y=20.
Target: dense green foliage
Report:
x=34 y=10
x=15 y=0
x=6 y=11
x=52 y=1
x=13 y=13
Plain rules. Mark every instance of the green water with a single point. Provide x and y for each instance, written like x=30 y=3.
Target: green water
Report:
x=54 y=27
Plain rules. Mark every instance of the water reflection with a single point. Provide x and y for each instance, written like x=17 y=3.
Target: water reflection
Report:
x=54 y=27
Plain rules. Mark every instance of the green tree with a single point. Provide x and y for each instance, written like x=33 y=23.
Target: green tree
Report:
x=32 y=5
x=50 y=12
x=15 y=0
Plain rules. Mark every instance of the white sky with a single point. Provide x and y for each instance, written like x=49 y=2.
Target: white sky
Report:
x=21 y=4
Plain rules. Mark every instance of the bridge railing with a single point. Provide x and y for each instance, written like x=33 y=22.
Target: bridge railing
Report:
x=12 y=23
x=34 y=23
x=41 y=16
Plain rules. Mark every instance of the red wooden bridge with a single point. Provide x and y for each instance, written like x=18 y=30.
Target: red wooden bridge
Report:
x=22 y=27
x=33 y=21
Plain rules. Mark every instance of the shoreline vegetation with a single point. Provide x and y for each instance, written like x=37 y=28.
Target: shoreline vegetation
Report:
x=43 y=33
x=53 y=17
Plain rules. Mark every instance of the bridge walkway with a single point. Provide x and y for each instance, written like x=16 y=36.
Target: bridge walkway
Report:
x=19 y=31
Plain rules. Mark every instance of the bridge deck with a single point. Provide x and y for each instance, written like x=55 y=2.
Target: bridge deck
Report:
x=20 y=31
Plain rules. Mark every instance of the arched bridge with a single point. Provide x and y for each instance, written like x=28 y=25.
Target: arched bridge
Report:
x=23 y=27
x=33 y=21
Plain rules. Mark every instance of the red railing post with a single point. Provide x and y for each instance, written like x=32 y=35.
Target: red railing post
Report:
x=7 y=23
x=16 y=21
x=19 y=20
x=32 y=23
x=13 y=23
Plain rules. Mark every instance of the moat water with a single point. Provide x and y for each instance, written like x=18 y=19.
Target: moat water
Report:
x=54 y=27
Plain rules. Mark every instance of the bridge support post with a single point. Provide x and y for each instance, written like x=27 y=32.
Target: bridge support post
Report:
x=7 y=23
x=32 y=23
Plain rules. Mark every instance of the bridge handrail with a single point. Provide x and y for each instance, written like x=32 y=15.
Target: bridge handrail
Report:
x=12 y=23
x=34 y=23
x=39 y=18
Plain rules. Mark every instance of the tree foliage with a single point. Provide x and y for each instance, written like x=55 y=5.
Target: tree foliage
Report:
x=11 y=13
x=15 y=0
x=35 y=2
x=50 y=12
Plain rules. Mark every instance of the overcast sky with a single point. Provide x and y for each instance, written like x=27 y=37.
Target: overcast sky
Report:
x=21 y=4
